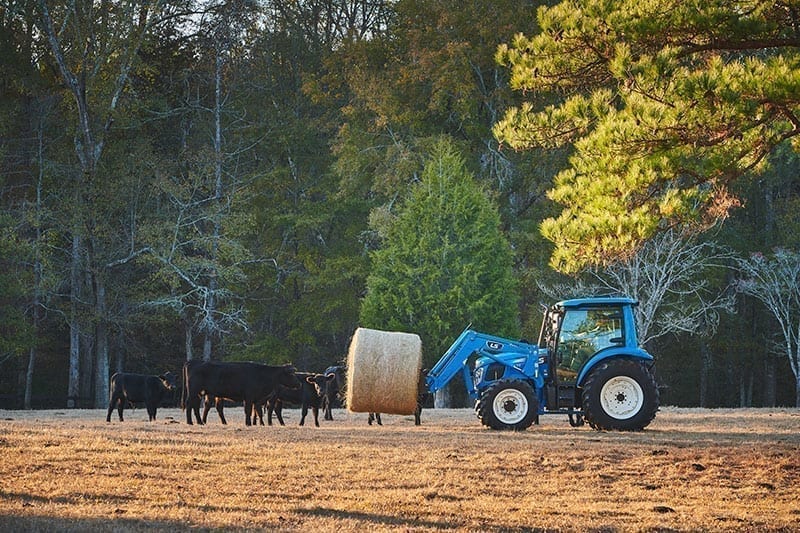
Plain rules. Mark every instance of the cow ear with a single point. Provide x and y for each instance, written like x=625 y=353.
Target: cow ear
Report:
x=330 y=376
x=310 y=379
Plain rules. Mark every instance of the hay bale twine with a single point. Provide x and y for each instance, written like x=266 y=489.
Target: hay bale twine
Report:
x=383 y=372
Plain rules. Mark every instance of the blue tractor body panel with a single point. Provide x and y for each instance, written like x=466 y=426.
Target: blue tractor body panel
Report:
x=610 y=353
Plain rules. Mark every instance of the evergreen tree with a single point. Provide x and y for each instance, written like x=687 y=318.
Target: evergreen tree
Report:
x=666 y=104
x=444 y=263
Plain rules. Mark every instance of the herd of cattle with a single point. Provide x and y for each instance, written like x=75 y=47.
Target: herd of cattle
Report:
x=257 y=386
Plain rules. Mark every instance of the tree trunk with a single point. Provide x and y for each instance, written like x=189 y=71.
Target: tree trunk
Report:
x=119 y=360
x=87 y=369
x=770 y=378
x=101 y=347
x=73 y=387
x=705 y=370
x=207 y=347
x=26 y=403
x=188 y=340
x=797 y=391
x=211 y=303
x=746 y=389
x=750 y=380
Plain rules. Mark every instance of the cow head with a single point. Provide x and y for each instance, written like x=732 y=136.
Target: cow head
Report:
x=321 y=382
x=169 y=380
x=287 y=377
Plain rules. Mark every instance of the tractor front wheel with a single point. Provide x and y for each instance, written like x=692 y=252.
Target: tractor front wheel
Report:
x=508 y=404
x=620 y=394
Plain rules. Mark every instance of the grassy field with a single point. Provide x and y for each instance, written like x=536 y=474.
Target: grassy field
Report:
x=691 y=470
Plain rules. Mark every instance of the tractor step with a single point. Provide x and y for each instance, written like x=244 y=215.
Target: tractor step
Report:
x=566 y=396
x=563 y=398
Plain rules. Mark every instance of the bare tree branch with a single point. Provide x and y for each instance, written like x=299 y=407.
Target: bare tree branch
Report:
x=775 y=282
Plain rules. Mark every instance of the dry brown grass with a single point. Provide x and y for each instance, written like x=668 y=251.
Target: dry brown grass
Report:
x=712 y=470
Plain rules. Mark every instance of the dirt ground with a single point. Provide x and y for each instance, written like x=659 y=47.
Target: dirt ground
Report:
x=690 y=470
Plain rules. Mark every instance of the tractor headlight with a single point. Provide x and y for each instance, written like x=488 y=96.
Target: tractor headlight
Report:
x=477 y=377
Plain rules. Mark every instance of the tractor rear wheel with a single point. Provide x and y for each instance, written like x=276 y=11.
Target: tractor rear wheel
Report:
x=620 y=394
x=508 y=404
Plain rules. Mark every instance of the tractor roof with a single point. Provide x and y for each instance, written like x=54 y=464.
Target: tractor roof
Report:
x=597 y=301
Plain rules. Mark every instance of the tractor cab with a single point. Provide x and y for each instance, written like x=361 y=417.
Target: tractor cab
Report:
x=578 y=331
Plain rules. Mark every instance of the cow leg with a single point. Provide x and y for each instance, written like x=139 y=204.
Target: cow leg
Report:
x=315 y=410
x=193 y=407
x=111 y=408
x=270 y=408
x=248 y=410
x=120 y=408
x=259 y=411
x=279 y=412
x=151 y=412
x=220 y=410
x=196 y=411
x=189 y=410
x=303 y=413
x=207 y=407
x=326 y=408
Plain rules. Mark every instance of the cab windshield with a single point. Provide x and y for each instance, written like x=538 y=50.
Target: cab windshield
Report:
x=584 y=332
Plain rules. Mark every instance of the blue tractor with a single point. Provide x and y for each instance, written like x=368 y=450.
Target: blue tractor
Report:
x=587 y=364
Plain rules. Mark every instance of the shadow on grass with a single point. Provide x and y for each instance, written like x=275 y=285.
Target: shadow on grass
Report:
x=81 y=525
x=373 y=519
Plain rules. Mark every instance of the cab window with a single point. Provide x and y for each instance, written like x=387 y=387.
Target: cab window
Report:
x=584 y=332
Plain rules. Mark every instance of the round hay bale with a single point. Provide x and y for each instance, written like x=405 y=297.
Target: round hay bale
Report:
x=383 y=372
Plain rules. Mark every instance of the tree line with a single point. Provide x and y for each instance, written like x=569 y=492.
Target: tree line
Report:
x=252 y=180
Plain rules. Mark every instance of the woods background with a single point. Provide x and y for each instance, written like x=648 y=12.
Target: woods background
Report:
x=233 y=180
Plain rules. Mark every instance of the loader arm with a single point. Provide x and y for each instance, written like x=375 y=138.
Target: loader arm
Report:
x=451 y=363
x=468 y=345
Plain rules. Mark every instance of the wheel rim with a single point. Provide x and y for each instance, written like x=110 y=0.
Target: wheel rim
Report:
x=621 y=397
x=510 y=406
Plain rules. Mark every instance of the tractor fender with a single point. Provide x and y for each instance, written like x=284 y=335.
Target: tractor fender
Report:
x=611 y=353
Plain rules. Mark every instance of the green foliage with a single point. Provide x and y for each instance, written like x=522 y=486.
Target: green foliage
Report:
x=444 y=263
x=665 y=107
x=16 y=333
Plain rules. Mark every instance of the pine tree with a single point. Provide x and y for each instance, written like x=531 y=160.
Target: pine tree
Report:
x=444 y=263
x=665 y=106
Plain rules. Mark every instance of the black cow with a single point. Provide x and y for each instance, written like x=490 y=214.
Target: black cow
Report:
x=251 y=383
x=133 y=388
x=332 y=392
x=309 y=394
x=422 y=397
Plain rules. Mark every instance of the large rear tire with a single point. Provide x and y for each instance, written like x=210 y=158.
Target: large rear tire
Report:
x=621 y=395
x=508 y=404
